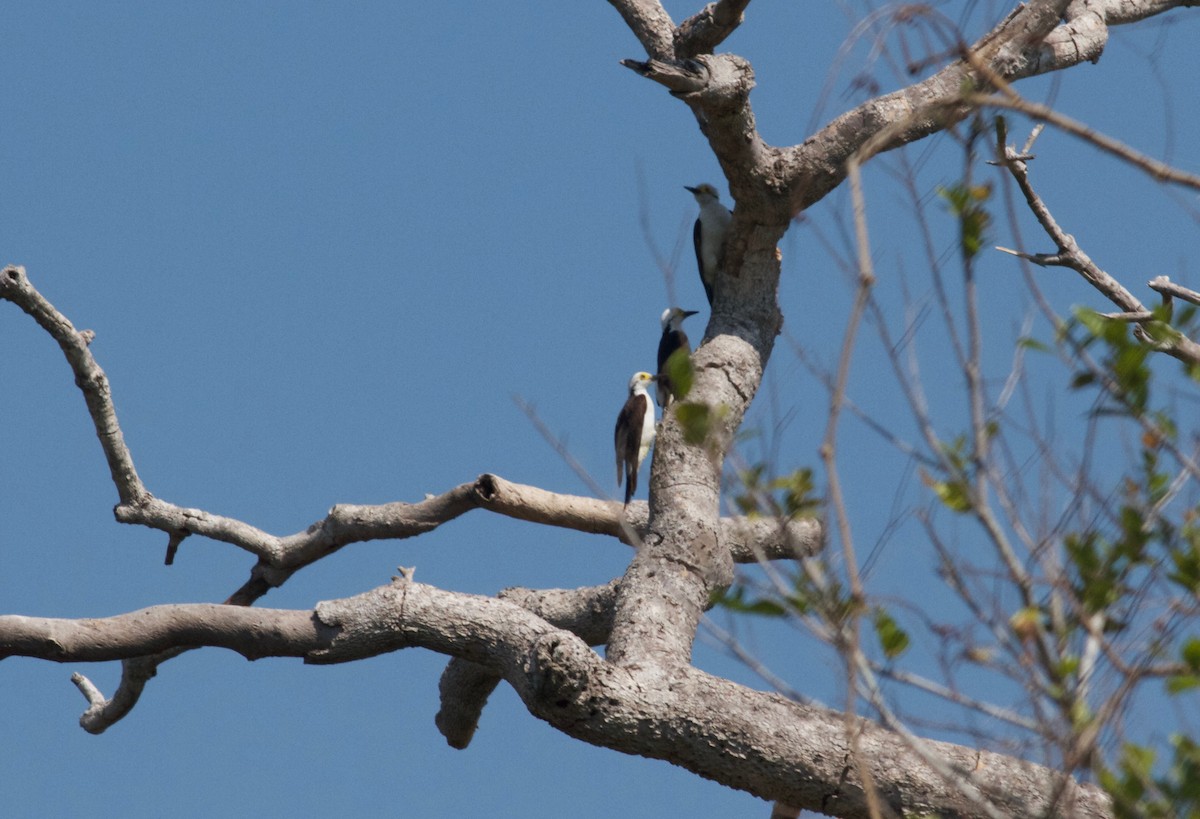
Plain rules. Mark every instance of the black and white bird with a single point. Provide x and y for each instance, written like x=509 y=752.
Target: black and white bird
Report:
x=673 y=338
x=709 y=234
x=635 y=432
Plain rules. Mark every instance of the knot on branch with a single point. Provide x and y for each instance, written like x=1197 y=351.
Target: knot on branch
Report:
x=556 y=673
x=12 y=278
x=141 y=506
x=365 y=625
x=485 y=488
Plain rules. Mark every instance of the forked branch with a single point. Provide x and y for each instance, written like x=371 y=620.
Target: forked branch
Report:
x=1070 y=255
x=742 y=738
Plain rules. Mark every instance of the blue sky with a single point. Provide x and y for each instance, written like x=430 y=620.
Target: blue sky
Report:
x=322 y=247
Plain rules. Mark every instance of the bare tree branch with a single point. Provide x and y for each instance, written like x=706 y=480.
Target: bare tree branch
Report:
x=280 y=556
x=1161 y=171
x=102 y=713
x=742 y=738
x=349 y=523
x=1169 y=289
x=650 y=23
x=1031 y=41
x=643 y=697
x=16 y=288
x=742 y=538
x=1071 y=256
x=465 y=686
x=707 y=29
x=253 y=633
x=745 y=539
x=771 y=185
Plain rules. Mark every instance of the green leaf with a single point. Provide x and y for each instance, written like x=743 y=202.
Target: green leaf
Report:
x=799 y=601
x=1181 y=683
x=953 y=494
x=1186 y=558
x=681 y=373
x=750 y=479
x=1026 y=622
x=1067 y=666
x=1081 y=715
x=892 y=639
x=696 y=420
x=1191 y=654
x=1138 y=790
x=735 y=600
x=973 y=220
x=1082 y=379
x=798 y=499
x=1092 y=321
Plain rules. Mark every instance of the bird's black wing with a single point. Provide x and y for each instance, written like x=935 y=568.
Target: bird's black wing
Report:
x=698 y=242
x=627 y=438
x=671 y=341
x=622 y=437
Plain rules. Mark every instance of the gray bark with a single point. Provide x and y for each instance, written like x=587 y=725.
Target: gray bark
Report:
x=643 y=697
x=743 y=738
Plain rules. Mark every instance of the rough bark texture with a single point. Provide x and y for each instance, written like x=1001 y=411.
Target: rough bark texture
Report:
x=643 y=697
x=758 y=742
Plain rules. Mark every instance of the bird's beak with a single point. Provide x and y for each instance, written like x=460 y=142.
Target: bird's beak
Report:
x=689 y=188
x=687 y=313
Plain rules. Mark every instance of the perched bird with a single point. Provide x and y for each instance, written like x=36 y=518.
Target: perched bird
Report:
x=634 y=432
x=673 y=338
x=712 y=227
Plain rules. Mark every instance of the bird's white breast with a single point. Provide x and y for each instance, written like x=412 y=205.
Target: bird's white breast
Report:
x=647 y=430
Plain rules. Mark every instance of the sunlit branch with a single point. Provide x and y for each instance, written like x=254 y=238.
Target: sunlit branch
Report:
x=746 y=739
x=708 y=28
x=1157 y=169
x=650 y=23
x=465 y=686
x=1070 y=255
x=280 y=556
x=15 y=287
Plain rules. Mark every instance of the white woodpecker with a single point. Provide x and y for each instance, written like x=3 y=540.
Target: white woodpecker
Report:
x=673 y=338
x=635 y=432
x=709 y=234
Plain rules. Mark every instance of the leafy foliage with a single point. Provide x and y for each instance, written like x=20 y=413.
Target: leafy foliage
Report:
x=681 y=373
x=966 y=203
x=790 y=496
x=1139 y=793
x=892 y=639
x=735 y=599
x=698 y=421
x=1108 y=592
